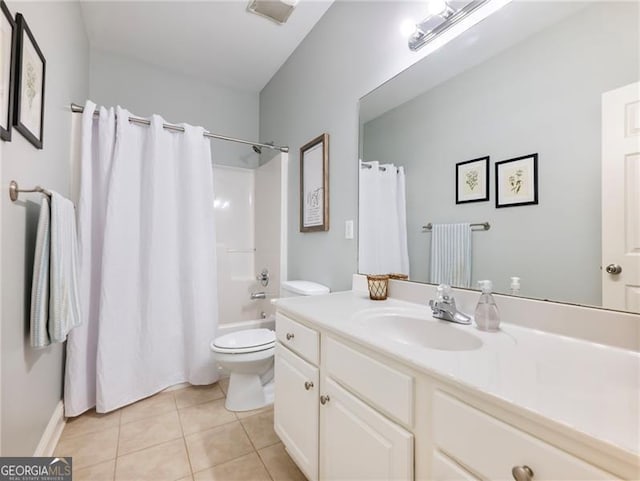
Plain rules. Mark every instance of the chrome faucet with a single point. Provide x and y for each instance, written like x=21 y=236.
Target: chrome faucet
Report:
x=444 y=307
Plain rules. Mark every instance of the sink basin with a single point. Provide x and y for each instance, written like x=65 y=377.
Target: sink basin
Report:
x=416 y=329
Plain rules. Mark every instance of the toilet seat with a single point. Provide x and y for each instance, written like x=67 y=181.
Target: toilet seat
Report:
x=245 y=341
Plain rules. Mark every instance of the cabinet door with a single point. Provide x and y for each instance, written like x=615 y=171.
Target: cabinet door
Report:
x=296 y=409
x=358 y=443
x=445 y=469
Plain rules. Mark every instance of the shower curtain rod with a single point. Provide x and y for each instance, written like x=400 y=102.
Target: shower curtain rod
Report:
x=75 y=108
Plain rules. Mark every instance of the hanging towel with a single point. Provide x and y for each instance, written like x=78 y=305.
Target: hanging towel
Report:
x=40 y=283
x=451 y=254
x=55 y=302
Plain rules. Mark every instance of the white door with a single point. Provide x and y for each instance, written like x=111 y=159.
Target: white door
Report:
x=358 y=443
x=296 y=409
x=621 y=198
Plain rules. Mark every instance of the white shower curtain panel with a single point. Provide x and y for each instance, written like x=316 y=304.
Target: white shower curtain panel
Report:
x=147 y=261
x=382 y=239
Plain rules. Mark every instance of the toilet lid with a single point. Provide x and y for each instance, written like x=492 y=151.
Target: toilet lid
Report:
x=246 y=340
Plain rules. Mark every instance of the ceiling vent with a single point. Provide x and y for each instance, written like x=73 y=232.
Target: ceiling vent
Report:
x=276 y=10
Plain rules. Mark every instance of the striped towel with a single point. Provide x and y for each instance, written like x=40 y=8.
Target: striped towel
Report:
x=451 y=254
x=55 y=300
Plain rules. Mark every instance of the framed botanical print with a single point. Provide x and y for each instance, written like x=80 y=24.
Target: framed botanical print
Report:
x=7 y=58
x=30 y=85
x=314 y=185
x=517 y=181
x=472 y=181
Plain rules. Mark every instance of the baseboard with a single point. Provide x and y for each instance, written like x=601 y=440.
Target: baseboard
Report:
x=52 y=432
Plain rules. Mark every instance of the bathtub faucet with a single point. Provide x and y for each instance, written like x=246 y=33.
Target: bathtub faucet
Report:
x=258 y=295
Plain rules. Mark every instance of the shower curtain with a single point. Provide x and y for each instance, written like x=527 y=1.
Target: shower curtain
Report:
x=382 y=239
x=147 y=262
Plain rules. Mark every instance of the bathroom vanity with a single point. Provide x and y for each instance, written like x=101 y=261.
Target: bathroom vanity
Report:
x=381 y=390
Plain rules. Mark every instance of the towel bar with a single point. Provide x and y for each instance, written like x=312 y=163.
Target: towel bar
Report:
x=484 y=225
x=14 y=190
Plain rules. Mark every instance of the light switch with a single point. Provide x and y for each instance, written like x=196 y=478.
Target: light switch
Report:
x=348 y=229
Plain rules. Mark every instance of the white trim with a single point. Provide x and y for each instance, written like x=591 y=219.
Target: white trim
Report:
x=52 y=432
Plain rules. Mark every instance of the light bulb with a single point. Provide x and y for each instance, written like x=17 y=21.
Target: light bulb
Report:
x=436 y=7
x=407 y=28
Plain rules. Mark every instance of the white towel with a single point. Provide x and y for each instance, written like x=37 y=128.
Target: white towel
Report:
x=55 y=302
x=451 y=254
x=40 y=283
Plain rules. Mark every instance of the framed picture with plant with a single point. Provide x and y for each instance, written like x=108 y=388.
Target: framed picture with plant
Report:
x=517 y=181
x=7 y=57
x=472 y=181
x=28 y=117
x=314 y=185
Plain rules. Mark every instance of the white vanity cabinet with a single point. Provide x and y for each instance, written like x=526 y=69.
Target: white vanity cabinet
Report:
x=357 y=442
x=296 y=392
x=296 y=409
x=329 y=432
x=492 y=449
x=345 y=410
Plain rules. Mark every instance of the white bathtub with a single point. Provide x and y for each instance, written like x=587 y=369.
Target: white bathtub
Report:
x=267 y=323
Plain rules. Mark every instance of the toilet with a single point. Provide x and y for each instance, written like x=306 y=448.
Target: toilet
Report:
x=248 y=356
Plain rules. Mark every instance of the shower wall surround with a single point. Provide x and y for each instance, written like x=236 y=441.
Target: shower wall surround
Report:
x=32 y=379
x=249 y=230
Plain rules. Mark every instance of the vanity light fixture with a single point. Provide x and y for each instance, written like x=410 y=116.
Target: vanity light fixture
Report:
x=441 y=17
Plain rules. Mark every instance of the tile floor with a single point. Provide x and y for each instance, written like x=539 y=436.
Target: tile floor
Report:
x=179 y=435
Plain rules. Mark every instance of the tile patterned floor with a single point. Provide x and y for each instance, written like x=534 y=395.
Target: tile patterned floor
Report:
x=183 y=435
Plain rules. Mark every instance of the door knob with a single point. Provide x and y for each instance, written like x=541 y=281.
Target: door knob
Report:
x=614 y=269
x=324 y=399
x=522 y=473
x=308 y=385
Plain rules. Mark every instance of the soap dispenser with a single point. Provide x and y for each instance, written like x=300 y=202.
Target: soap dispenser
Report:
x=487 y=316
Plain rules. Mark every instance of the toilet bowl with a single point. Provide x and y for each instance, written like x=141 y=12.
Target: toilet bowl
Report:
x=248 y=356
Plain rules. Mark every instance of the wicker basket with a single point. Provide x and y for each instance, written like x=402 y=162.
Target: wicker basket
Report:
x=378 y=287
x=399 y=277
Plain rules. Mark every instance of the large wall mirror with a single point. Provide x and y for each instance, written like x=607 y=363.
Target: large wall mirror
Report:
x=555 y=79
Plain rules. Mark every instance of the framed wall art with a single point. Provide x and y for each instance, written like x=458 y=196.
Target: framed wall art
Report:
x=472 y=181
x=314 y=185
x=28 y=117
x=7 y=58
x=517 y=181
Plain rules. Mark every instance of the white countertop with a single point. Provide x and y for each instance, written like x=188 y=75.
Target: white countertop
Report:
x=587 y=387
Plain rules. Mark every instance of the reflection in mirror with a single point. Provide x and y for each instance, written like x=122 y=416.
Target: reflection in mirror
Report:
x=551 y=84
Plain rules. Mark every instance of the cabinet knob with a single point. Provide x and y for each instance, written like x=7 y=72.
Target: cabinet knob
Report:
x=522 y=473
x=324 y=399
x=289 y=336
x=308 y=385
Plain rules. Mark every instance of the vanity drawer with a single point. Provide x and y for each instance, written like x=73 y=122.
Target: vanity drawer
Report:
x=491 y=448
x=389 y=390
x=300 y=339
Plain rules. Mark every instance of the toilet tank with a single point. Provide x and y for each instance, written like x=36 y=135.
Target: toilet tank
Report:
x=302 y=288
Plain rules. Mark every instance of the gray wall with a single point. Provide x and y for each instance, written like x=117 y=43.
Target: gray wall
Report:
x=542 y=95
x=316 y=91
x=32 y=379
x=145 y=89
